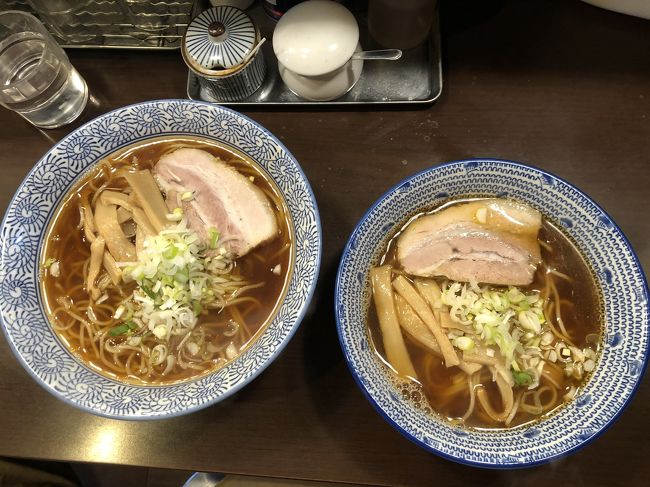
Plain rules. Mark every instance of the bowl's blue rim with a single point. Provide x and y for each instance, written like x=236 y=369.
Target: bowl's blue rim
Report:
x=337 y=293
x=264 y=365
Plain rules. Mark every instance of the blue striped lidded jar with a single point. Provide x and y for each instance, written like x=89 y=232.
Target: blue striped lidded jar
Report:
x=217 y=46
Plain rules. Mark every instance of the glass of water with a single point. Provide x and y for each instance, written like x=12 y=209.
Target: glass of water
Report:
x=36 y=78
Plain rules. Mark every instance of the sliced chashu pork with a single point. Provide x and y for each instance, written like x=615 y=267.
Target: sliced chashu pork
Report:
x=223 y=199
x=491 y=241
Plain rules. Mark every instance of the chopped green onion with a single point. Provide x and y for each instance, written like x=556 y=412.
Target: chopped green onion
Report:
x=182 y=276
x=119 y=312
x=176 y=281
x=187 y=196
x=148 y=292
x=214 y=237
x=170 y=252
x=530 y=321
x=522 y=378
x=507 y=318
x=129 y=313
x=123 y=328
x=464 y=343
x=53 y=266
x=118 y=330
x=176 y=215
x=158 y=354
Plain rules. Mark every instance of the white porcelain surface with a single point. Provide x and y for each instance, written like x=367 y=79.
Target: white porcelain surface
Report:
x=315 y=37
x=638 y=8
x=325 y=87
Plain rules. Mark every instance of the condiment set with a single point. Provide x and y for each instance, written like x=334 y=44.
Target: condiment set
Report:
x=316 y=43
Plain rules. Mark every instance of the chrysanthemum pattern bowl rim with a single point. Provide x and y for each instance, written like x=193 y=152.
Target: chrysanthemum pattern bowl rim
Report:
x=23 y=321
x=619 y=276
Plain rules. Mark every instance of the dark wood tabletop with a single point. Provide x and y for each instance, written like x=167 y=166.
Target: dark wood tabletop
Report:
x=558 y=84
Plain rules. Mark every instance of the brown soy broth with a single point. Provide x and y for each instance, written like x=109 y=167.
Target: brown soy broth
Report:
x=67 y=244
x=581 y=314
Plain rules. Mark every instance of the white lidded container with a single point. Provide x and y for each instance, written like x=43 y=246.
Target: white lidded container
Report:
x=639 y=8
x=314 y=43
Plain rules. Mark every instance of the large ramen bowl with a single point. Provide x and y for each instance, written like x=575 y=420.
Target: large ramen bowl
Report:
x=618 y=275
x=23 y=229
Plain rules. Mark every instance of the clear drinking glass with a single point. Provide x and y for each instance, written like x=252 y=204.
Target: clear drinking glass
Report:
x=36 y=78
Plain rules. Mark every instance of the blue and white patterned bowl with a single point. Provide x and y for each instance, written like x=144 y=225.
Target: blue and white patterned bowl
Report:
x=23 y=320
x=618 y=274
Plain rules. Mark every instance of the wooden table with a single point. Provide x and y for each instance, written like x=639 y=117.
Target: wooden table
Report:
x=557 y=84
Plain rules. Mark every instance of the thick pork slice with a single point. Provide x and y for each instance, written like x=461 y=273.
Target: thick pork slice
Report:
x=223 y=199
x=491 y=241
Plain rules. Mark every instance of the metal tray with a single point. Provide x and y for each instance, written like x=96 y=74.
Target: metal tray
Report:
x=118 y=24
x=416 y=78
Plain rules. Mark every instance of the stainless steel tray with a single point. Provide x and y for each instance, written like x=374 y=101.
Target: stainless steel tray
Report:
x=117 y=24
x=416 y=78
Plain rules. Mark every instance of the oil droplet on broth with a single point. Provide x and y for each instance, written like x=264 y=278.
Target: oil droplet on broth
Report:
x=410 y=391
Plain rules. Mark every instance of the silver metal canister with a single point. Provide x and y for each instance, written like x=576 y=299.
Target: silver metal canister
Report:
x=222 y=46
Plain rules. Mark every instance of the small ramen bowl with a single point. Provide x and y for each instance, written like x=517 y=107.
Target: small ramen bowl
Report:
x=24 y=320
x=618 y=277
